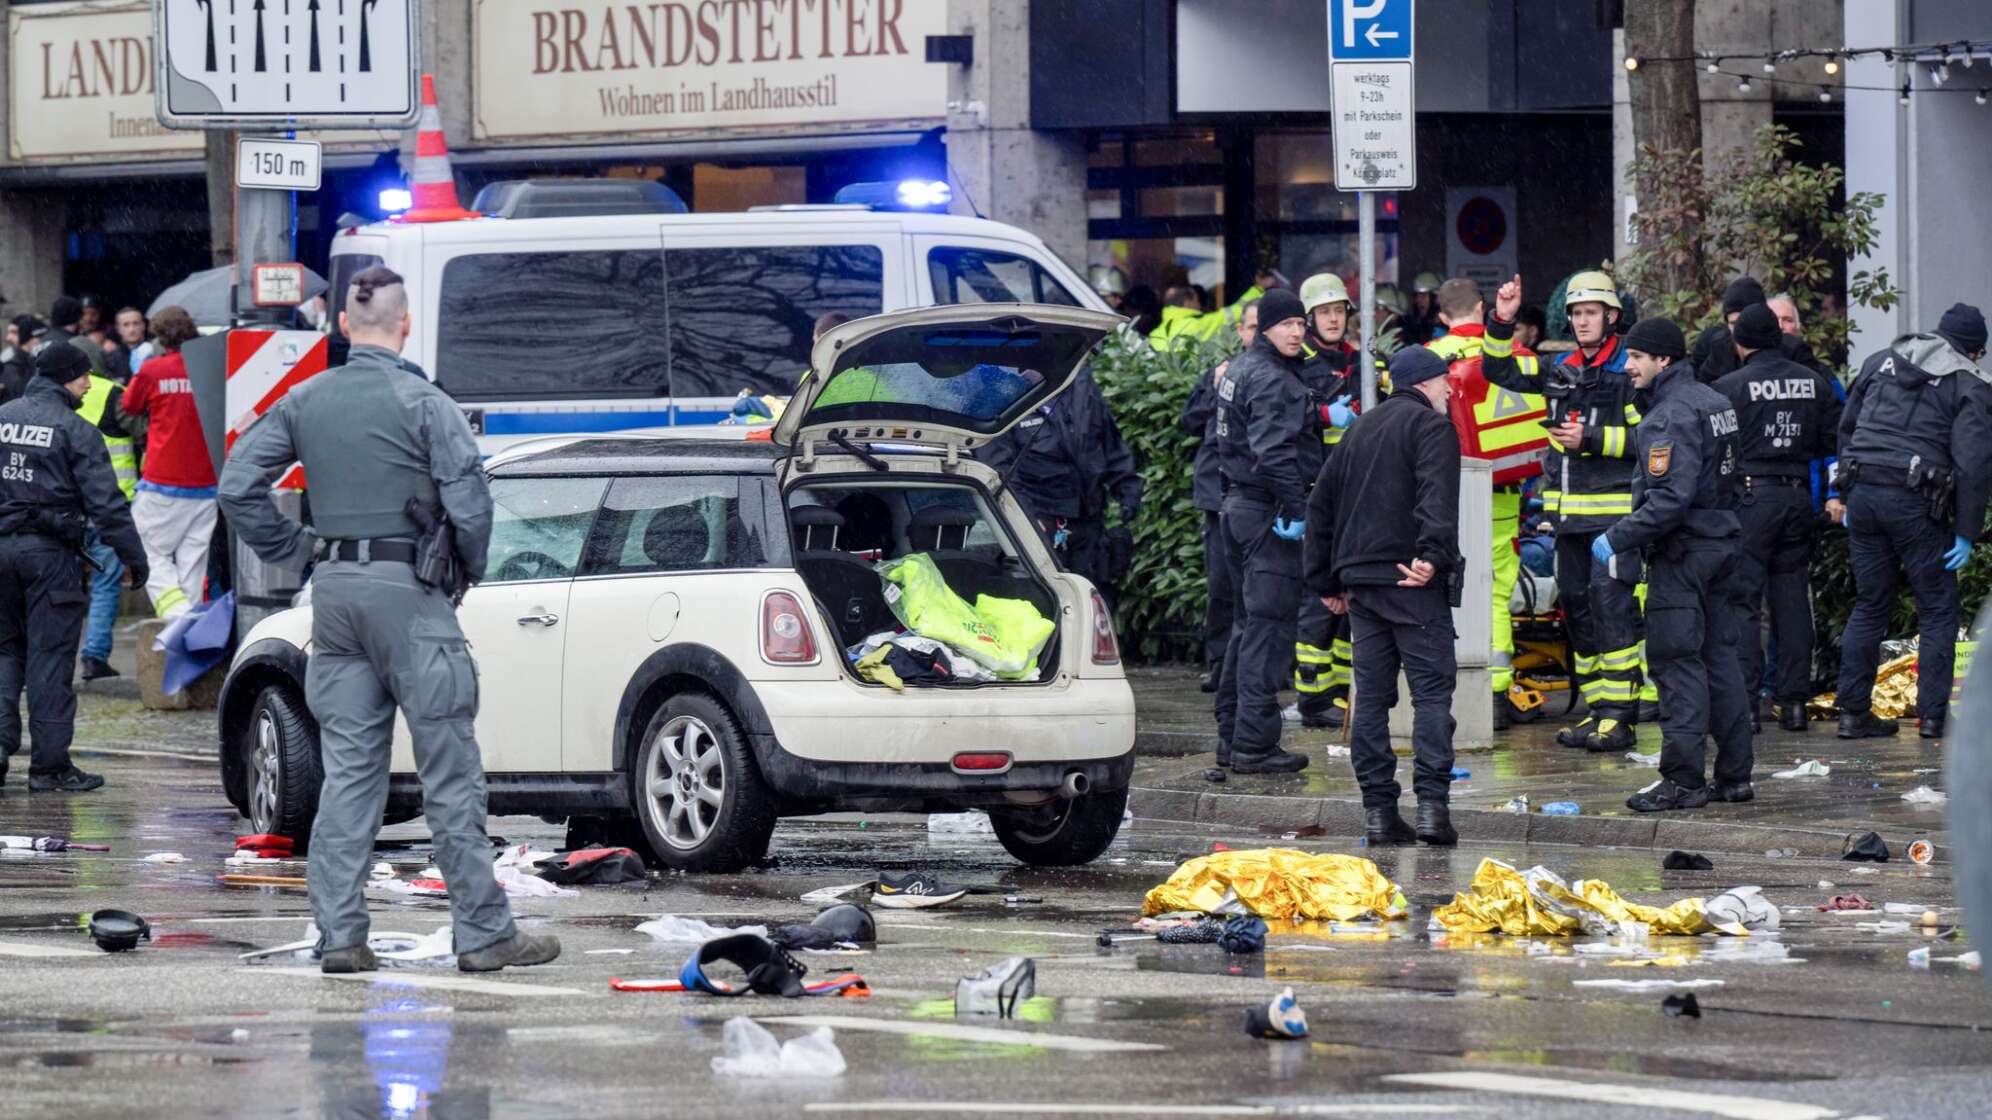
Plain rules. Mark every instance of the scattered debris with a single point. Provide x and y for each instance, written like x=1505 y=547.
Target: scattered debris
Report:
x=1216 y=774
x=751 y=1051
x=998 y=989
x=1865 y=847
x=164 y=857
x=1516 y=805
x=1848 y=902
x=1809 y=768
x=593 y=867
x=264 y=845
x=117 y=931
x=1780 y=853
x=1924 y=795
x=1278 y=883
x=1741 y=910
x=1243 y=933
x=1539 y=903
x=1883 y=926
x=1919 y=957
x=975 y=822
x=841 y=926
x=1561 y=809
x=1459 y=775
x=48 y=844
x=1646 y=985
x=1678 y=860
x=1649 y=760
x=1280 y=1019
x=670 y=928
x=520 y=883
x=1682 y=1006
x=1921 y=852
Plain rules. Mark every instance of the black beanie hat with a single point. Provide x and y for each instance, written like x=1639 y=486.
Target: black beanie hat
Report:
x=1279 y=305
x=61 y=363
x=1414 y=364
x=28 y=327
x=1756 y=328
x=65 y=312
x=1658 y=337
x=1741 y=293
x=1963 y=326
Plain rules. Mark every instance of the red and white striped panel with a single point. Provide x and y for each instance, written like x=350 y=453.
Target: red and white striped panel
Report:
x=262 y=367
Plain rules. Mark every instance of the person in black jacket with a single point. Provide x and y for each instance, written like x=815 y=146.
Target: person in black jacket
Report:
x=1065 y=462
x=1789 y=417
x=1383 y=548
x=1207 y=495
x=55 y=479
x=1916 y=470
x=1714 y=352
x=1269 y=448
x=1684 y=526
x=17 y=360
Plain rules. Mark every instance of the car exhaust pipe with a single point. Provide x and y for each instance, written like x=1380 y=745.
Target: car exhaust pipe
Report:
x=1075 y=785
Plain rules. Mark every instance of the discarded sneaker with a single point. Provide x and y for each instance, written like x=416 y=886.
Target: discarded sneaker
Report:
x=1280 y=1019
x=1435 y=825
x=521 y=950
x=354 y=958
x=1664 y=795
x=1275 y=761
x=1383 y=828
x=1575 y=735
x=1682 y=1005
x=1733 y=792
x=97 y=669
x=1866 y=725
x=913 y=891
x=68 y=780
x=1678 y=860
x=1611 y=737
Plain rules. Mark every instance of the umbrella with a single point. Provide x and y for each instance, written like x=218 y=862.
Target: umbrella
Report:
x=205 y=295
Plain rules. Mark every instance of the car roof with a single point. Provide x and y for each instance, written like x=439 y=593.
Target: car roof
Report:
x=623 y=455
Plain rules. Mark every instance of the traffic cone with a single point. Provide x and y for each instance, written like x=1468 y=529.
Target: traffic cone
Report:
x=434 y=185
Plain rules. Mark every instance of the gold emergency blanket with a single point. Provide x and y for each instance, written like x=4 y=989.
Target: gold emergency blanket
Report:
x=1894 y=690
x=1277 y=883
x=1539 y=903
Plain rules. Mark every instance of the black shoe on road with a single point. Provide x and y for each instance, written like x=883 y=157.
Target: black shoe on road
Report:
x=1383 y=828
x=1435 y=825
x=1612 y=737
x=1207 y=682
x=70 y=780
x=1930 y=727
x=1664 y=795
x=340 y=962
x=1275 y=761
x=1793 y=718
x=97 y=670
x=1574 y=736
x=1737 y=793
x=523 y=949
x=1866 y=725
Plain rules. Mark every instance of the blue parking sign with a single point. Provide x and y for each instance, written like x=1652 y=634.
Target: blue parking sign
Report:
x=1369 y=30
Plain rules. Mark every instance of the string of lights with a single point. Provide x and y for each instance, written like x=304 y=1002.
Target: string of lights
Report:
x=1938 y=57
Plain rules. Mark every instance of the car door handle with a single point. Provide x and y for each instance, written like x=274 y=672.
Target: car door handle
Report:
x=542 y=619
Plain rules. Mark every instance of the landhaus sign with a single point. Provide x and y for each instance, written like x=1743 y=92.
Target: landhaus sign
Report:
x=80 y=83
x=558 y=68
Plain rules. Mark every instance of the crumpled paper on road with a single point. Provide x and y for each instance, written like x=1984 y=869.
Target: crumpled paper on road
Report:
x=1539 y=903
x=1278 y=883
x=1894 y=686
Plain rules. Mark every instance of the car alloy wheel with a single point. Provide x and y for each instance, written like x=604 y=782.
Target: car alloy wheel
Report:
x=266 y=776
x=686 y=782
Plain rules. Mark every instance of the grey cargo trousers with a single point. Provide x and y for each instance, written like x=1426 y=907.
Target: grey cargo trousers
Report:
x=380 y=640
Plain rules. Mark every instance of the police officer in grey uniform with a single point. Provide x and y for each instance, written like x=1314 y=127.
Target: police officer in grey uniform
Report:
x=370 y=438
x=54 y=473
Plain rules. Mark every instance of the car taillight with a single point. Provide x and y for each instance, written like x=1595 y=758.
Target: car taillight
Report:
x=1106 y=651
x=982 y=760
x=785 y=636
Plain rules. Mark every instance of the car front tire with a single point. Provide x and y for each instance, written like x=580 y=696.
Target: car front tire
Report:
x=698 y=794
x=1067 y=834
x=280 y=761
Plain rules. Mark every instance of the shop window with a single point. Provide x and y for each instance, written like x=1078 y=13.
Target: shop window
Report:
x=673 y=524
x=743 y=318
x=520 y=326
x=986 y=276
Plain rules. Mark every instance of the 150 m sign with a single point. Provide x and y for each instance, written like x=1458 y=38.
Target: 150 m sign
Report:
x=279 y=165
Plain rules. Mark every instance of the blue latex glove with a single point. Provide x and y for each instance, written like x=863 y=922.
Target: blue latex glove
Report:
x=1289 y=530
x=1339 y=413
x=1601 y=548
x=1960 y=551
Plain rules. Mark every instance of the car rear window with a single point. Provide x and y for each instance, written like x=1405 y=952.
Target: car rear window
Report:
x=678 y=523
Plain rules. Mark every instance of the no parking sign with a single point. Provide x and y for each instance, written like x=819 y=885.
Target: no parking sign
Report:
x=1480 y=233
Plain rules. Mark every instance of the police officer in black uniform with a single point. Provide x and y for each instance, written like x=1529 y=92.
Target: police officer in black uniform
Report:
x=1714 y=352
x=1916 y=472
x=1788 y=417
x=55 y=474
x=1269 y=449
x=1684 y=525
x=1065 y=462
x=1207 y=495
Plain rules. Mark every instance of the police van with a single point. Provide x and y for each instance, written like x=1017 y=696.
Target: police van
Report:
x=573 y=307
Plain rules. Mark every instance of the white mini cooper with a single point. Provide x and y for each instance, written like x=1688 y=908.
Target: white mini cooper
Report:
x=662 y=633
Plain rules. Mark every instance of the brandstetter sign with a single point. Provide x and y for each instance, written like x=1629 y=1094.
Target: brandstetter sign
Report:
x=561 y=68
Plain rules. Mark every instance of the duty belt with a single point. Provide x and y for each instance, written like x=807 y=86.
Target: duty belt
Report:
x=363 y=551
x=1752 y=480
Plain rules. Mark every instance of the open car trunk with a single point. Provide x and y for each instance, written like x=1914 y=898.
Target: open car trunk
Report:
x=845 y=529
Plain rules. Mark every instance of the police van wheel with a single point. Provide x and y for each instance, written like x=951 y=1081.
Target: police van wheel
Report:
x=697 y=793
x=281 y=749
x=1066 y=834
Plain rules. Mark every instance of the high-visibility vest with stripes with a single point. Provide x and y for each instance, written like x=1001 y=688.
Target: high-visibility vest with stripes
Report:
x=1499 y=425
x=124 y=452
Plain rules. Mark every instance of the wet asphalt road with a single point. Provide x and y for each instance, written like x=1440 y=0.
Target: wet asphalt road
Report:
x=181 y=1028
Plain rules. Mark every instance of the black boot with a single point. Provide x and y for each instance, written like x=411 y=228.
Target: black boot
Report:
x=1793 y=718
x=69 y=780
x=1575 y=735
x=353 y=958
x=1207 y=682
x=96 y=669
x=1383 y=828
x=1274 y=761
x=1664 y=795
x=1435 y=826
x=1739 y=792
x=1504 y=712
x=1611 y=737
x=1930 y=727
x=1866 y=725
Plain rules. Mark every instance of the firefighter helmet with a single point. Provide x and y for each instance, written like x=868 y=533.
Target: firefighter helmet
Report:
x=1591 y=287
x=1427 y=283
x=1324 y=288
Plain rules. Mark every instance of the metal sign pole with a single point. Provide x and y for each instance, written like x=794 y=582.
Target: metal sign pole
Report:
x=265 y=233
x=1366 y=231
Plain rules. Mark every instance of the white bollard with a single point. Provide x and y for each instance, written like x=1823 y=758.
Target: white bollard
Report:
x=1473 y=695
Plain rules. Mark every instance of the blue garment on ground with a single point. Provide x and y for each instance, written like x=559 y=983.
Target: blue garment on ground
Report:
x=196 y=642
